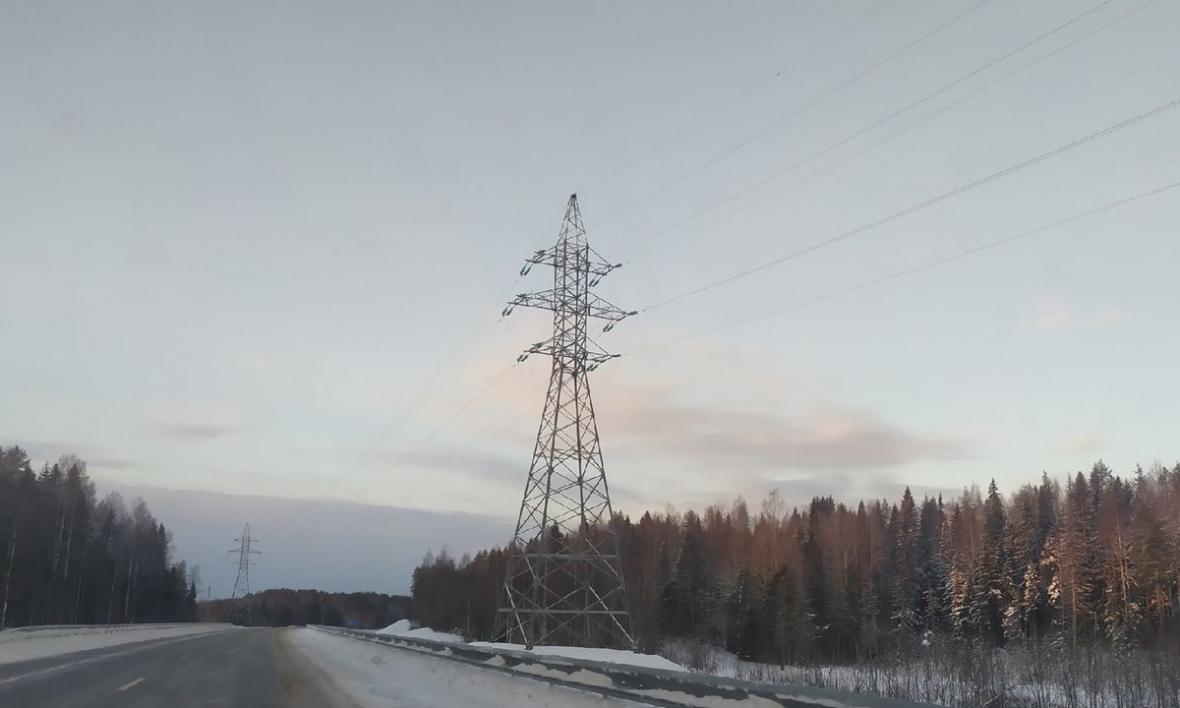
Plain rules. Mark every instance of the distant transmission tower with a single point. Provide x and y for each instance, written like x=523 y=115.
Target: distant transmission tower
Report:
x=242 y=584
x=564 y=583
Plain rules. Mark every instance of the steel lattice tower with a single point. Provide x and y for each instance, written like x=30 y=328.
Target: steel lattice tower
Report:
x=564 y=582
x=242 y=584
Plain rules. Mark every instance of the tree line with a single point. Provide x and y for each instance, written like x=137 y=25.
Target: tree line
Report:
x=282 y=607
x=66 y=558
x=1095 y=562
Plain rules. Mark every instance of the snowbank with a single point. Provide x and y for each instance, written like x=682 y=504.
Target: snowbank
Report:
x=607 y=656
x=621 y=683
x=373 y=676
x=403 y=628
x=27 y=643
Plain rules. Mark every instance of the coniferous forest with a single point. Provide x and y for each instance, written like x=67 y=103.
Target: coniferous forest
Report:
x=67 y=558
x=1057 y=585
x=283 y=606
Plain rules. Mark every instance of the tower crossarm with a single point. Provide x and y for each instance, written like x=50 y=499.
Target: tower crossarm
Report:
x=596 y=307
x=596 y=265
x=591 y=354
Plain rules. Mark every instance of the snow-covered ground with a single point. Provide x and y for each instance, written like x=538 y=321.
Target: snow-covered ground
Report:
x=403 y=628
x=1023 y=677
x=375 y=676
x=35 y=643
x=609 y=656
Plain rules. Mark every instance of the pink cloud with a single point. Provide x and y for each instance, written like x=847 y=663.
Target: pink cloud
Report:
x=1055 y=315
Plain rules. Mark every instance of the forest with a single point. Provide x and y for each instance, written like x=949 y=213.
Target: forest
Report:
x=67 y=558
x=1089 y=566
x=281 y=607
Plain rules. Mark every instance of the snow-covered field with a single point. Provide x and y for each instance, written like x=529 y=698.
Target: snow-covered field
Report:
x=375 y=676
x=1019 y=677
x=37 y=642
x=403 y=628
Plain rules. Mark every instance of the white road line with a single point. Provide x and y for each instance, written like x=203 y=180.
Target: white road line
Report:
x=129 y=684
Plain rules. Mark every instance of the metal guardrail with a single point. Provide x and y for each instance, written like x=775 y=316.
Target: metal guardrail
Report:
x=659 y=687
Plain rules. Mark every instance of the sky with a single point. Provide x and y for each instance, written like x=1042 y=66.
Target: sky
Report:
x=255 y=254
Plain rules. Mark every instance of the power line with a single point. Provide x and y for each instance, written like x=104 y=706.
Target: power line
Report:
x=426 y=388
x=794 y=114
x=881 y=121
x=800 y=58
x=934 y=200
x=919 y=206
x=462 y=409
x=438 y=374
x=918 y=268
x=795 y=62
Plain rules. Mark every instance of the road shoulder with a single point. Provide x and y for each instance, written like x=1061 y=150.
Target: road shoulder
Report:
x=302 y=682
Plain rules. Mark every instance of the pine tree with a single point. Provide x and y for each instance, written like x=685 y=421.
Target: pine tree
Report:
x=791 y=630
x=907 y=595
x=685 y=598
x=1121 y=609
x=1077 y=562
x=964 y=541
x=748 y=620
x=932 y=565
x=991 y=595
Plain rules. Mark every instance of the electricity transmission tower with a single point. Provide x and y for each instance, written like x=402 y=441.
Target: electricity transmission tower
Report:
x=564 y=582
x=242 y=584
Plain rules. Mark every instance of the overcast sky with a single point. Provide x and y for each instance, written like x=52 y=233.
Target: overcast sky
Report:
x=261 y=248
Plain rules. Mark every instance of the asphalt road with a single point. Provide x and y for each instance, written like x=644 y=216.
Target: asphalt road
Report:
x=253 y=668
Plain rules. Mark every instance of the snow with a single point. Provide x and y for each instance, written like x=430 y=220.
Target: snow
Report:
x=606 y=656
x=1023 y=676
x=403 y=628
x=375 y=675
x=629 y=684
x=25 y=644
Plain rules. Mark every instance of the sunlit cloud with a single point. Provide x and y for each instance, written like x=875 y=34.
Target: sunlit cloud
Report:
x=449 y=460
x=1088 y=443
x=196 y=432
x=743 y=431
x=1055 y=315
x=703 y=434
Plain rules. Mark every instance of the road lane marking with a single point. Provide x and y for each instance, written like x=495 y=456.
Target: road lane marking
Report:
x=129 y=684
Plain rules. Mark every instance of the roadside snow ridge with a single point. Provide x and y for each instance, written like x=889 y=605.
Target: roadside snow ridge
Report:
x=403 y=628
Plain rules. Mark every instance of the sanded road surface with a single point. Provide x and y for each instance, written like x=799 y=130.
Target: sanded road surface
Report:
x=253 y=667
